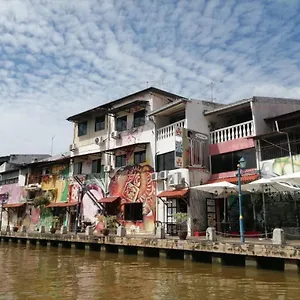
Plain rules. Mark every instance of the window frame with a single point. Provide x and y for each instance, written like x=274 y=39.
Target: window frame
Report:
x=163 y=163
x=99 y=121
x=81 y=132
x=139 y=155
x=121 y=156
x=133 y=216
x=98 y=163
x=139 y=118
x=79 y=168
x=121 y=127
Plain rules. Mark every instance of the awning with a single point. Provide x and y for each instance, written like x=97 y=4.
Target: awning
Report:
x=244 y=179
x=62 y=204
x=173 y=194
x=108 y=199
x=13 y=205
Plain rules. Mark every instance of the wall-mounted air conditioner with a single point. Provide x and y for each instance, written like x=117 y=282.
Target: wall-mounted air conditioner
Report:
x=107 y=169
x=174 y=179
x=154 y=176
x=115 y=135
x=99 y=140
x=163 y=175
x=72 y=147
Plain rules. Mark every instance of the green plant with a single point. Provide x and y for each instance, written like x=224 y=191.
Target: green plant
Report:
x=110 y=222
x=181 y=219
x=41 y=201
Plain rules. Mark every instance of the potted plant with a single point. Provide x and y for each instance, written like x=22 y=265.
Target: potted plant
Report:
x=110 y=222
x=55 y=220
x=196 y=225
x=41 y=201
x=181 y=221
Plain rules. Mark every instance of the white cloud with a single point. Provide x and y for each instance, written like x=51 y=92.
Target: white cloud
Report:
x=61 y=57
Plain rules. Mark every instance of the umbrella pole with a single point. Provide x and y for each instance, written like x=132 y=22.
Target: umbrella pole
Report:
x=264 y=212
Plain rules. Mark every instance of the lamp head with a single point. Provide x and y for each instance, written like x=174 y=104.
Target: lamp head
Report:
x=242 y=163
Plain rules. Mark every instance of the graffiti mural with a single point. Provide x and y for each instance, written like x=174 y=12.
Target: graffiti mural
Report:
x=134 y=184
x=55 y=185
x=280 y=166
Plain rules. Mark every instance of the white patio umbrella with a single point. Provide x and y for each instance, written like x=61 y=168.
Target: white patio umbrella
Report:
x=218 y=188
x=267 y=185
x=293 y=178
x=222 y=188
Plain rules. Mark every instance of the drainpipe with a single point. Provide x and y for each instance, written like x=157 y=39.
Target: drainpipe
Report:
x=289 y=144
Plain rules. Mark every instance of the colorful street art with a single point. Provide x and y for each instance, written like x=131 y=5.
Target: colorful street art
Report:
x=15 y=192
x=280 y=166
x=55 y=185
x=131 y=184
x=134 y=184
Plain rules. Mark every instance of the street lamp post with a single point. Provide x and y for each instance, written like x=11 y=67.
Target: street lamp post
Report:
x=241 y=165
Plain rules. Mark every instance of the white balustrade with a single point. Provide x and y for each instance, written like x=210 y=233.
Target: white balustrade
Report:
x=169 y=131
x=232 y=132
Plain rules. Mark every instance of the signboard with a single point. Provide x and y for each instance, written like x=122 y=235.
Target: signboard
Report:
x=211 y=212
x=179 y=147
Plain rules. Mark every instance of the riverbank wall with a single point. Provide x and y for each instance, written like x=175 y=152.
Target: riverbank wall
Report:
x=260 y=254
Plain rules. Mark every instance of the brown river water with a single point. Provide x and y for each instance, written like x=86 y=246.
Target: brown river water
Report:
x=30 y=272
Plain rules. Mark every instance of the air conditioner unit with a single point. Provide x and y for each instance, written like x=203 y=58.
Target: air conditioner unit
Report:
x=107 y=169
x=162 y=175
x=72 y=147
x=99 y=140
x=174 y=179
x=154 y=176
x=115 y=135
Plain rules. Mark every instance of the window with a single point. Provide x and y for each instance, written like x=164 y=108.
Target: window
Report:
x=139 y=118
x=165 y=161
x=100 y=123
x=96 y=166
x=82 y=128
x=121 y=123
x=139 y=157
x=77 y=168
x=228 y=161
x=133 y=211
x=120 y=161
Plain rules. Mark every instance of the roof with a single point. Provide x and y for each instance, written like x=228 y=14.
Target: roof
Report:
x=228 y=106
x=284 y=116
x=13 y=205
x=244 y=179
x=62 y=204
x=52 y=159
x=247 y=101
x=107 y=106
x=108 y=199
x=169 y=107
x=173 y=194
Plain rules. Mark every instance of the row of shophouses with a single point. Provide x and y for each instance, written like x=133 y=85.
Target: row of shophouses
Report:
x=137 y=158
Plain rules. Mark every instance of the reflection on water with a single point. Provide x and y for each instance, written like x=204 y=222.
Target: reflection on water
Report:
x=44 y=273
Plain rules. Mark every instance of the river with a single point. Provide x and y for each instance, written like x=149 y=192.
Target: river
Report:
x=36 y=272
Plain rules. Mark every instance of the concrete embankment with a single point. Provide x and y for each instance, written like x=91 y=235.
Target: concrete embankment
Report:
x=262 y=254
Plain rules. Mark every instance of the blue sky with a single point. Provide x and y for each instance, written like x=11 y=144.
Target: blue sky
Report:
x=58 y=58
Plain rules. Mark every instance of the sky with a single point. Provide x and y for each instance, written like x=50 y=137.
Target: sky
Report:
x=60 y=57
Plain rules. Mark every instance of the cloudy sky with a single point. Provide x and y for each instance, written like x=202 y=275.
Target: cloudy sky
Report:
x=60 y=57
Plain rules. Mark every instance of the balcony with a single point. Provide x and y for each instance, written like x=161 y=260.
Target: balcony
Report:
x=233 y=132
x=169 y=131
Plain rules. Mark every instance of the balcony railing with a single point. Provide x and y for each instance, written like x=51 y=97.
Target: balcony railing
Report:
x=169 y=131
x=232 y=132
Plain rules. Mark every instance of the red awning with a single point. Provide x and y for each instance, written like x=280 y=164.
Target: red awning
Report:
x=12 y=205
x=62 y=204
x=173 y=194
x=108 y=199
x=245 y=179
